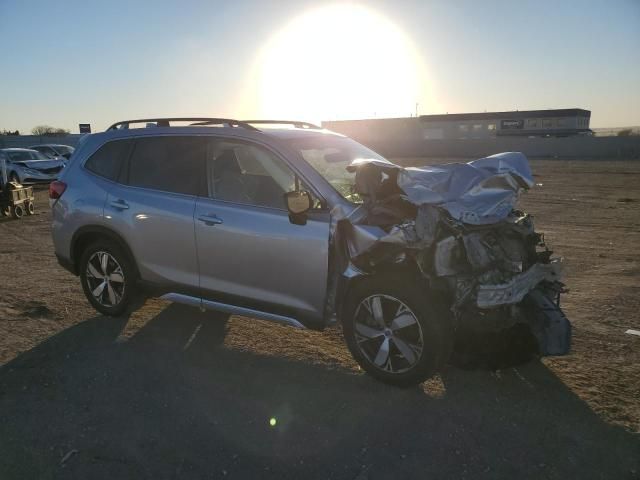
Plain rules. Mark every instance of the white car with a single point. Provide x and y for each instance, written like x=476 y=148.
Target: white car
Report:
x=30 y=166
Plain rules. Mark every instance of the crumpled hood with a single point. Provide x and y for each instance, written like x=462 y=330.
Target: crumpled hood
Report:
x=480 y=192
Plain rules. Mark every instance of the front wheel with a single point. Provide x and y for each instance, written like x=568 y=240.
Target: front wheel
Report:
x=395 y=330
x=108 y=277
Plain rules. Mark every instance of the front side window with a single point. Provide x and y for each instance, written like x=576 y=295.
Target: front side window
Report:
x=330 y=156
x=109 y=158
x=170 y=164
x=19 y=156
x=249 y=174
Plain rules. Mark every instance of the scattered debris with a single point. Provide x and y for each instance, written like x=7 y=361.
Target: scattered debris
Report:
x=633 y=332
x=37 y=310
x=67 y=456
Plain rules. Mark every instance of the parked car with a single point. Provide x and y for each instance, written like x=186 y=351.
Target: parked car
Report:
x=53 y=150
x=30 y=166
x=307 y=227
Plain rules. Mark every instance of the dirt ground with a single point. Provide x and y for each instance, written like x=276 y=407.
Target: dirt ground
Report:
x=170 y=392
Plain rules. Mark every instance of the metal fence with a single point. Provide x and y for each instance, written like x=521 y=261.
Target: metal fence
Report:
x=23 y=141
x=575 y=147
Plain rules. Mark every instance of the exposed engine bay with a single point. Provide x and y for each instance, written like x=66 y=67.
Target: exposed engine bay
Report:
x=459 y=226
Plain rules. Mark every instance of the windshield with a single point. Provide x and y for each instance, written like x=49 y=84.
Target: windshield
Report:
x=63 y=149
x=330 y=155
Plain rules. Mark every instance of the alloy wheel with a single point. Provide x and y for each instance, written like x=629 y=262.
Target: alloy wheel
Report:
x=388 y=333
x=105 y=279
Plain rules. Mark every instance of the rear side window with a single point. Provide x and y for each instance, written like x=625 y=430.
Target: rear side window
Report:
x=170 y=164
x=109 y=158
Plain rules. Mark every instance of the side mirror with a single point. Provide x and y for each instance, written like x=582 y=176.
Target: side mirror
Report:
x=298 y=203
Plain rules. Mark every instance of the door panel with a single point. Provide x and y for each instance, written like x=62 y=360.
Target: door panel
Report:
x=158 y=226
x=247 y=247
x=153 y=207
x=258 y=254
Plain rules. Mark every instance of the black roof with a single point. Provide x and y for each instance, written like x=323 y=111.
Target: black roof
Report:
x=562 y=112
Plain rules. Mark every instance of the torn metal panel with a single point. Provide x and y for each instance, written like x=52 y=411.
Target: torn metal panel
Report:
x=362 y=237
x=426 y=224
x=444 y=259
x=549 y=324
x=479 y=253
x=515 y=289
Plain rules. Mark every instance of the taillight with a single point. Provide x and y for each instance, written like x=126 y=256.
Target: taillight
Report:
x=56 y=189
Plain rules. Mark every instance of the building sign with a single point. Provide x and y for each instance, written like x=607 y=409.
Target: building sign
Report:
x=511 y=124
x=85 y=127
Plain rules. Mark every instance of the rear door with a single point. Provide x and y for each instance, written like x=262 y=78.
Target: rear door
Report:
x=250 y=254
x=152 y=207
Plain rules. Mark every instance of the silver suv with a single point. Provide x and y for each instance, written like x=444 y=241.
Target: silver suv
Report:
x=281 y=221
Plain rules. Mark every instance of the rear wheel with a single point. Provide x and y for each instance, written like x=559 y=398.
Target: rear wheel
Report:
x=396 y=332
x=31 y=209
x=108 y=277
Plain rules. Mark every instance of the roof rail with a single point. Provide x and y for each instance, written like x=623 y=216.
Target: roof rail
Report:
x=295 y=123
x=200 y=121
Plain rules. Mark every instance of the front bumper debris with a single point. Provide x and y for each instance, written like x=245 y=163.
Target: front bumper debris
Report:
x=548 y=324
x=518 y=287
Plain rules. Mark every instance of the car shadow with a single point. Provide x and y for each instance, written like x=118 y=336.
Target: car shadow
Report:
x=173 y=401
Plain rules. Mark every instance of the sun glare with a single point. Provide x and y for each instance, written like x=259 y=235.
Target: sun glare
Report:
x=339 y=61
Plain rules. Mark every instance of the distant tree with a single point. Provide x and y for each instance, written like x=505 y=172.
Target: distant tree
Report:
x=46 y=130
x=9 y=132
x=624 y=133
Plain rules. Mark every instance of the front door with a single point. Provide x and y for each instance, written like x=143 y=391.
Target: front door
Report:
x=248 y=251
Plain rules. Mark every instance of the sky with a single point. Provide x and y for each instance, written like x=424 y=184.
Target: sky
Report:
x=70 y=62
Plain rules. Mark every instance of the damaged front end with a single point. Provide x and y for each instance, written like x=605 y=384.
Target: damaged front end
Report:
x=458 y=226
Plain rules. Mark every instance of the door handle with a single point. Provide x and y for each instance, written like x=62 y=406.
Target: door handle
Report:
x=120 y=204
x=210 y=219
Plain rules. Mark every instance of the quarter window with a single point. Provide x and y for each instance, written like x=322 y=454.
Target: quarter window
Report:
x=109 y=158
x=170 y=164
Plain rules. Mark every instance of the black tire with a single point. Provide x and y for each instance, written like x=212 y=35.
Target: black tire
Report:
x=17 y=211
x=431 y=319
x=119 y=257
x=31 y=209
